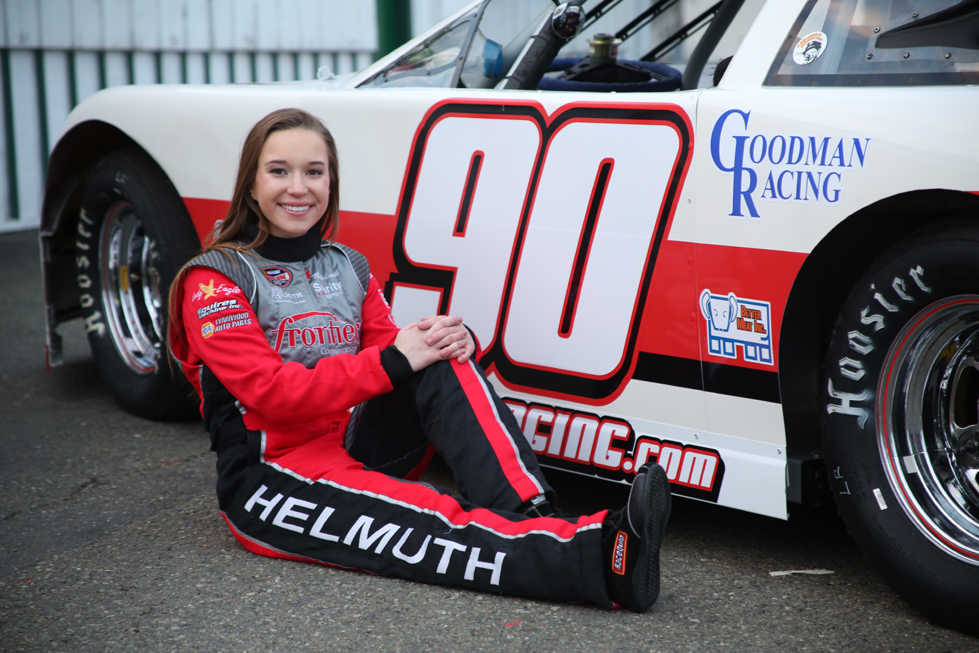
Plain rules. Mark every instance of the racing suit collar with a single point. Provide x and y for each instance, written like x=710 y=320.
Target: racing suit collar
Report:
x=287 y=250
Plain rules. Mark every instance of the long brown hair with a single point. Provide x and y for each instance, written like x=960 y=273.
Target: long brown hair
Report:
x=244 y=210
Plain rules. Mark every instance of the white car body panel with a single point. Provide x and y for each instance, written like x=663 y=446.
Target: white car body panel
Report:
x=896 y=124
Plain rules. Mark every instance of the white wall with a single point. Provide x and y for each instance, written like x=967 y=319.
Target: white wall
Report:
x=425 y=13
x=55 y=53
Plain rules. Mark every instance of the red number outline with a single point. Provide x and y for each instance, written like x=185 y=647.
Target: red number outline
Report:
x=515 y=375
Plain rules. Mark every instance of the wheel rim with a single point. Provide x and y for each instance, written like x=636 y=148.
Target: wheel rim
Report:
x=928 y=424
x=131 y=288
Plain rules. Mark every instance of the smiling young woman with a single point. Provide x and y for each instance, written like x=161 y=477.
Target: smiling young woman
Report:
x=322 y=410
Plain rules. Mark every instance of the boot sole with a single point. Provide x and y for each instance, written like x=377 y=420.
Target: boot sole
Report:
x=657 y=504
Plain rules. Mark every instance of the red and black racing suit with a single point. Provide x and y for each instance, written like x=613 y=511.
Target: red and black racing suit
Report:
x=311 y=454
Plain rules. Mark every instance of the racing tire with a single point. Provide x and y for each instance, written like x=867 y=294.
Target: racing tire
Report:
x=133 y=235
x=900 y=420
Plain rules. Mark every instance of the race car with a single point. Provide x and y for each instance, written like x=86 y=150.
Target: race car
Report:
x=749 y=254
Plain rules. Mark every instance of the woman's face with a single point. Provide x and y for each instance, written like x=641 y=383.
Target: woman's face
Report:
x=292 y=183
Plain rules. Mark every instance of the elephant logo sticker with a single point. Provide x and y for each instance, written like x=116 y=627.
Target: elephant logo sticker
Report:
x=734 y=322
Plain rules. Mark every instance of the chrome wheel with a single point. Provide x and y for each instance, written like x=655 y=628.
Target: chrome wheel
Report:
x=131 y=293
x=928 y=423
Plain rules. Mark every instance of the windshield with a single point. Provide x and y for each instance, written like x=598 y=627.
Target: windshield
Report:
x=478 y=49
x=464 y=55
x=433 y=63
x=503 y=31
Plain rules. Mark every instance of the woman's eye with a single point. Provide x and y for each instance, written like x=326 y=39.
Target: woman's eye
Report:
x=278 y=171
x=314 y=171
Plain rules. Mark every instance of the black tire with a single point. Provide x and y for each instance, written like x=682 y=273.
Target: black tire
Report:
x=133 y=235
x=900 y=419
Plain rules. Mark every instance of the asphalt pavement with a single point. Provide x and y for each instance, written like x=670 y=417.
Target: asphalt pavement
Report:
x=110 y=540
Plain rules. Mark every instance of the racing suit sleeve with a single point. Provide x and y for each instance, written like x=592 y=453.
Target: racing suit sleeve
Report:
x=378 y=328
x=240 y=357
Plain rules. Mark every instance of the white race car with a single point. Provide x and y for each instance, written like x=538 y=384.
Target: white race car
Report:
x=757 y=266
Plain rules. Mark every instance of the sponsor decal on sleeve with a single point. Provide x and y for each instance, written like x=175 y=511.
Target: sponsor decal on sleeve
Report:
x=809 y=48
x=796 y=168
x=205 y=292
x=219 y=307
x=209 y=291
x=734 y=323
x=277 y=276
x=610 y=448
x=225 y=323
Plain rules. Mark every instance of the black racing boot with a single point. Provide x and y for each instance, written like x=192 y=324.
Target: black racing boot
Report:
x=631 y=539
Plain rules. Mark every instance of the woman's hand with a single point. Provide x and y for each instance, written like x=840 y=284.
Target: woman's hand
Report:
x=433 y=339
x=450 y=336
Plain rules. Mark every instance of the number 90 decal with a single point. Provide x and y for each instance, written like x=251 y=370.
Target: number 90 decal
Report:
x=542 y=232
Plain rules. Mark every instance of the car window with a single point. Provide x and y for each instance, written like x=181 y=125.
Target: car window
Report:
x=474 y=51
x=730 y=42
x=880 y=43
x=435 y=63
x=504 y=28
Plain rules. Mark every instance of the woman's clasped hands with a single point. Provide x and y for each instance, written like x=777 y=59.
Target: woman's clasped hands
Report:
x=431 y=339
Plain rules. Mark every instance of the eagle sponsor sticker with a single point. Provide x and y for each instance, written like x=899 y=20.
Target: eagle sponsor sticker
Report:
x=277 y=276
x=809 y=48
x=209 y=291
x=618 y=555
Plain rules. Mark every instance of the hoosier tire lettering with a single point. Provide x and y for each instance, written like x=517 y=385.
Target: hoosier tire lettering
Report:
x=132 y=235
x=901 y=419
x=83 y=260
